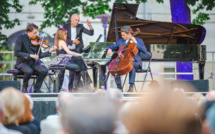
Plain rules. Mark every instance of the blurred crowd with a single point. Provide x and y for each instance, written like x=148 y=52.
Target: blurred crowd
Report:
x=160 y=111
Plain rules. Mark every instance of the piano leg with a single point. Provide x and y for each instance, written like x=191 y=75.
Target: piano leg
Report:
x=201 y=70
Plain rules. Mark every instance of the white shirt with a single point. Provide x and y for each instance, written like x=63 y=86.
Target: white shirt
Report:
x=73 y=36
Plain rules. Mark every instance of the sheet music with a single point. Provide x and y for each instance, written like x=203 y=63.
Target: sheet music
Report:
x=61 y=60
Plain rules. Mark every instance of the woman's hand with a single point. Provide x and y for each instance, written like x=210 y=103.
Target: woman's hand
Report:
x=54 y=48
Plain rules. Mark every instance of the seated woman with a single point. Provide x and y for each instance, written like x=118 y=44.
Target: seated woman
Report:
x=76 y=63
x=14 y=109
x=27 y=117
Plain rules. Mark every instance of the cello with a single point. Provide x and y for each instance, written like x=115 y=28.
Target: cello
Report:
x=124 y=64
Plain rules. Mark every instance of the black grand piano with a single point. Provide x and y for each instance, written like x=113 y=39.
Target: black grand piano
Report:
x=166 y=41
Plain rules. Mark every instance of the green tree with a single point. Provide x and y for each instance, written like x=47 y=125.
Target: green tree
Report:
x=58 y=12
x=5 y=22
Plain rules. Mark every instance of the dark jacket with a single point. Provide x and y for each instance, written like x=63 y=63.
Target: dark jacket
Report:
x=22 y=50
x=79 y=30
x=140 y=46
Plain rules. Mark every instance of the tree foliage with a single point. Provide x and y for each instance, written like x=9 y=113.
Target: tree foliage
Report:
x=201 y=5
x=5 y=22
x=58 y=12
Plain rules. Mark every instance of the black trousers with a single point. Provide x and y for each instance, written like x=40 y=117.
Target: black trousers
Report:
x=132 y=74
x=28 y=68
x=75 y=67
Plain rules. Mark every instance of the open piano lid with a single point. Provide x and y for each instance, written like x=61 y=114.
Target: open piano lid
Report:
x=153 y=32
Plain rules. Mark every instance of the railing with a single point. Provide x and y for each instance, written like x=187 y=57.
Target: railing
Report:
x=12 y=60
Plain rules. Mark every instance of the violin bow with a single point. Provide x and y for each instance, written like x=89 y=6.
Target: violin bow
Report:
x=42 y=41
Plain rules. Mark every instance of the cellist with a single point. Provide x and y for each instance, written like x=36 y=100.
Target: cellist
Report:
x=126 y=33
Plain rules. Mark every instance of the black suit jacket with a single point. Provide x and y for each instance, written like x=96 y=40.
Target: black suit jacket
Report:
x=22 y=50
x=79 y=30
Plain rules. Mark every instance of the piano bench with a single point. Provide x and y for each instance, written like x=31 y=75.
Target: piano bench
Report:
x=18 y=74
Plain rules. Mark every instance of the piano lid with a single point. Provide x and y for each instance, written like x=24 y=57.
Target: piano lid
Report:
x=153 y=32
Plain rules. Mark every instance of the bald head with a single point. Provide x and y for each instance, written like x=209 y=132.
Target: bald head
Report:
x=75 y=18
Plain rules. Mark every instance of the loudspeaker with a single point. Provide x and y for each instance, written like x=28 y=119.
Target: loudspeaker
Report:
x=5 y=84
x=199 y=85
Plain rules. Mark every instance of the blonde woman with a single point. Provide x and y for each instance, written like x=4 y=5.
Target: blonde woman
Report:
x=14 y=110
x=75 y=64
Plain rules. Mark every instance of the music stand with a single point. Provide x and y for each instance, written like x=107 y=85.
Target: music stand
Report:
x=58 y=64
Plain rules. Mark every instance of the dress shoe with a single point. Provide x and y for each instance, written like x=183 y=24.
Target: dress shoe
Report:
x=131 y=89
x=38 y=91
x=24 y=90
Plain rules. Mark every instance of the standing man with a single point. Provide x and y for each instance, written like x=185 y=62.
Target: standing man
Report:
x=75 y=43
x=126 y=33
x=27 y=58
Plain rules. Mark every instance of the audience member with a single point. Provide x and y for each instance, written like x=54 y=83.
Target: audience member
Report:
x=14 y=109
x=89 y=115
x=116 y=96
x=4 y=130
x=163 y=112
x=209 y=123
x=27 y=118
x=52 y=124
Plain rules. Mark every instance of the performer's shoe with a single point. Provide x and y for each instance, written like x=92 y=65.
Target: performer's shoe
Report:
x=24 y=90
x=131 y=88
x=120 y=87
x=38 y=91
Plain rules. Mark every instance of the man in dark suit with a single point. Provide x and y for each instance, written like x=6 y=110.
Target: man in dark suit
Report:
x=27 y=58
x=75 y=43
x=126 y=33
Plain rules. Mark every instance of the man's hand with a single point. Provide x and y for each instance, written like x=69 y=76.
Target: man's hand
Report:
x=54 y=48
x=89 y=24
x=34 y=56
x=120 y=55
x=109 y=52
x=134 y=40
x=76 y=41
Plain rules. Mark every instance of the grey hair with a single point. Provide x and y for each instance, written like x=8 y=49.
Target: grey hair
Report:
x=89 y=116
x=62 y=98
x=114 y=93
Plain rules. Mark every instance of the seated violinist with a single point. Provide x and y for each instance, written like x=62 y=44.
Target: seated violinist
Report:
x=126 y=33
x=27 y=58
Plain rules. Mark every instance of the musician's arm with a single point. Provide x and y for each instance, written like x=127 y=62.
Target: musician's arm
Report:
x=44 y=54
x=141 y=46
x=65 y=48
x=89 y=32
x=114 y=47
x=18 y=49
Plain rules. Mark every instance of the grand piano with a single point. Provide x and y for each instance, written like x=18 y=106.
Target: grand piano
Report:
x=166 y=41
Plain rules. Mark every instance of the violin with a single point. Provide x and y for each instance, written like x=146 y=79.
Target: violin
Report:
x=38 y=42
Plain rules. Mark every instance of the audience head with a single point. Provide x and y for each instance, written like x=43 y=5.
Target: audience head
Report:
x=89 y=116
x=100 y=92
x=62 y=99
x=210 y=95
x=27 y=115
x=114 y=93
x=210 y=116
x=14 y=107
x=163 y=112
